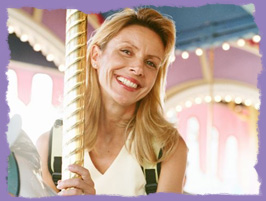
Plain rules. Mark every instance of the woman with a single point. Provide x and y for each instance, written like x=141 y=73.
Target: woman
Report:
x=127 y=64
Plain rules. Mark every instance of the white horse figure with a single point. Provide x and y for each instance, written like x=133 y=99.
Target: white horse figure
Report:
x=24 y=169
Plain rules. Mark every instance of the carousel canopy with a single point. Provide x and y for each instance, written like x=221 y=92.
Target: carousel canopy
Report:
x=204 y=27
x=209 y=25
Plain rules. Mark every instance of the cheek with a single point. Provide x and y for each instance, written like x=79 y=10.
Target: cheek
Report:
x=152 y=79
x=105 y=76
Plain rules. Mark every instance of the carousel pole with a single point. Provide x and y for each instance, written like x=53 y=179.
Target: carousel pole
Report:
x=74 y=91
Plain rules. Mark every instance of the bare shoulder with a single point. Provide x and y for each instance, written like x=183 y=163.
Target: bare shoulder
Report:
x=42 y=143
x=42 y=146
x=173 y=169
x=181 y=147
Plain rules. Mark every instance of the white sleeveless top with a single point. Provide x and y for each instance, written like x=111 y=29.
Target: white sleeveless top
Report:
x=124 y=177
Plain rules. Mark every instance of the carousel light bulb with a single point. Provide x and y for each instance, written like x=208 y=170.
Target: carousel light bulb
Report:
x=241 y=42
x=198 y=100
x=172 y=58
x=228 y=98
x=24 y=38
x=188 y=104
x=37 y=47
x=11 y=29
x=248 y=102
x=208 y=99
x=218 y=98
x=61 y=68
x=199 y=51
x=238 y=100
x=256 y=39
x=178 y=108
x=257 y=106
x=170 y=113
x=226 y=46
x=185 y=55
x=50 y=57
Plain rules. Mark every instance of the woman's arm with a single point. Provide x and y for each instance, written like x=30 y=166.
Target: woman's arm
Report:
x=75 y=186
x=42 y=145
x=173 y=170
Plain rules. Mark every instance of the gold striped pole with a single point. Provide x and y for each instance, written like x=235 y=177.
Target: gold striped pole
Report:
x=74 y=91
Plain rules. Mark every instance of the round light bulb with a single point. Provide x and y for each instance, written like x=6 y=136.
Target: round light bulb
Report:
x=241 y=42
x=198 y=100
x=218 y=98
x=226 y=46
x=256 y=39
x=170 y=113
x=178 y=108
x=24 y=38
x=185 y=55
x=248 y=102
x=208 y=99
x=228 y=98
x=199 y=51
x=238 y=100
x=11 y=29
x=50 y=57
x=61 y=68
x=257 y=106
x=37 y=47
x=188 y=104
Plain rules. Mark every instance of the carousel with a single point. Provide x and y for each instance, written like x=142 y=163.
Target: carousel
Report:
x=211 y=96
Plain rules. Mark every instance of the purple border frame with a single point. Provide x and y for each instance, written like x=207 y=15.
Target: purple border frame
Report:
x=105 y=5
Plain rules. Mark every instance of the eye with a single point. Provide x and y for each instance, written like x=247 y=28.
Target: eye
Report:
x=126 y=51
x=150 y=63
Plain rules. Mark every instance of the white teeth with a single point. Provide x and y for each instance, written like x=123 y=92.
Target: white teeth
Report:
x=127 y=82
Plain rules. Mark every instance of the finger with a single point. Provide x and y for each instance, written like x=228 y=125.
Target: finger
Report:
x=75 y=182
x=71 y=191
x=69 y=183
x=83 y=172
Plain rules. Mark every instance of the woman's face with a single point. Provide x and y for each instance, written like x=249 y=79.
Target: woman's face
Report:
x=128 y=66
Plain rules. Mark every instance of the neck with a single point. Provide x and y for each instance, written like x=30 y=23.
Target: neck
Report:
x=112 y=120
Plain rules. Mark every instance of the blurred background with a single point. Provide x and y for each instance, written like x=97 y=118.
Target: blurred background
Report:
x=211 y=97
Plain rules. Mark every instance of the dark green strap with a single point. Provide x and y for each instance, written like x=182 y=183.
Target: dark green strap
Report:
x=57 y=164
x=13 y=179
x=150 y=176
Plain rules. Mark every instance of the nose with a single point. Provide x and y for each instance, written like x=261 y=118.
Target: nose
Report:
x=137 y=69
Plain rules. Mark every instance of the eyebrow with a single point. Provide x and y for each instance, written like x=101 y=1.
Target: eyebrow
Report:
x=128 y=42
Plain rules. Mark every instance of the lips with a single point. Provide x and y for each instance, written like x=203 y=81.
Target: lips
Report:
x=128 y=82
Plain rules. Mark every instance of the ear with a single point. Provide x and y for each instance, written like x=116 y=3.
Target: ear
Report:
x=95 y=55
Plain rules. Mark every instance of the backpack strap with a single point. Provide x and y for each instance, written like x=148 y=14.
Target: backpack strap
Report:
x=55 y=151
x=152 y=174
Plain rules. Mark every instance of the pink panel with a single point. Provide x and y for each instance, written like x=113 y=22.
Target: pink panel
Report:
x=238 y=65
x=227 y=123
x=184 y=70
x=24 y=78
x=25 y=75
x=200 y=112
x=55 y=20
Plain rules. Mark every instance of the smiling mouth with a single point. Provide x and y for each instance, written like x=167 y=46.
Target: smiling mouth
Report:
x=127 y=82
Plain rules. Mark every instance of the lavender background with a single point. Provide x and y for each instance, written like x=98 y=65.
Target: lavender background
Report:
x=105 y=5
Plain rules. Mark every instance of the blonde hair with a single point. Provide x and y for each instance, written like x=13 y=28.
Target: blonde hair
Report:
x=148 y=123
